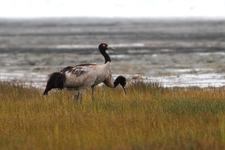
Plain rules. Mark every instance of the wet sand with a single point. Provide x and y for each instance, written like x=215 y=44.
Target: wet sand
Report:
x=174 y=52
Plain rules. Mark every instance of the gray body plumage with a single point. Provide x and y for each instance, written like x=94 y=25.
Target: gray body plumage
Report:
x=83 y=76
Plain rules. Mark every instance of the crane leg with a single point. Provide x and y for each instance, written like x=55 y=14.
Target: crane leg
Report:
x=81 y=99
x=76 y=97
x=92 y=92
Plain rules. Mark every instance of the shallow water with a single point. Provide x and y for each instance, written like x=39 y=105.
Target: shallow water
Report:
x=174 y=52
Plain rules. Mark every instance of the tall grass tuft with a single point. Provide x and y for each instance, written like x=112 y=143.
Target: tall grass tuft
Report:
x=149 y=116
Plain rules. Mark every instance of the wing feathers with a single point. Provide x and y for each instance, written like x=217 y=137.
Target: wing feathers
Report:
x=77 y=70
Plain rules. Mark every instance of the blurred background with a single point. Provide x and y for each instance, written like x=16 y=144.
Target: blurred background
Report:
x=116 y=8
x=177 y=42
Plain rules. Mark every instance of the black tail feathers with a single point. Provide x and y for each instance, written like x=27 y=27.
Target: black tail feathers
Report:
x=56 y=80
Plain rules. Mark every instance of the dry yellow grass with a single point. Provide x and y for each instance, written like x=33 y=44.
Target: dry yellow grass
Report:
x=148 y=117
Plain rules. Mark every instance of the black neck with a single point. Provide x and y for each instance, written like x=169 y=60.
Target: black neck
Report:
x=119 y=80
x=122 y=81
x=106 y=56
x=116 y=83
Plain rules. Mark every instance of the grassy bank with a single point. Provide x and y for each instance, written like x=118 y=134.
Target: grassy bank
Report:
x=148 y=117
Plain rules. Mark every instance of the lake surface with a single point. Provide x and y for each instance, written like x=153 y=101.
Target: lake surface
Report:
x=176 y=52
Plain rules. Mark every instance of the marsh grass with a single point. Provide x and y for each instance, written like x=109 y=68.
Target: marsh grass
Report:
x=148 y=117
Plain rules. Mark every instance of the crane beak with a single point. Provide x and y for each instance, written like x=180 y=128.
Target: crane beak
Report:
x=108 y=47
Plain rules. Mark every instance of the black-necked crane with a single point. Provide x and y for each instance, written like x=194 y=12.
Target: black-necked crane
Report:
x=83 y=76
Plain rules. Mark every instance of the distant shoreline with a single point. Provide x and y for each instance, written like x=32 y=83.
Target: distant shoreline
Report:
x=68 y=18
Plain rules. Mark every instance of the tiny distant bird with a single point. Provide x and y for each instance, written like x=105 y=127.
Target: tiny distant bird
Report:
x=83 y=76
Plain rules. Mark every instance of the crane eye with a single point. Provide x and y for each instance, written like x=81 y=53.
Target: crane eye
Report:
x=104 y=44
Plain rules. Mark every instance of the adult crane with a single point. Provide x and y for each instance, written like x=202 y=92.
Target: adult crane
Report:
x=83 y=76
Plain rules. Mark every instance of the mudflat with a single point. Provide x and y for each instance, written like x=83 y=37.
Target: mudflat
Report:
x=177 y=52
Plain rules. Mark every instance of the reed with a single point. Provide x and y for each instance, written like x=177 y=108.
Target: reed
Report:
x=148 y=117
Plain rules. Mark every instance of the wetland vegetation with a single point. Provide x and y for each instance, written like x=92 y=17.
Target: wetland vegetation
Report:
x=149 y=116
